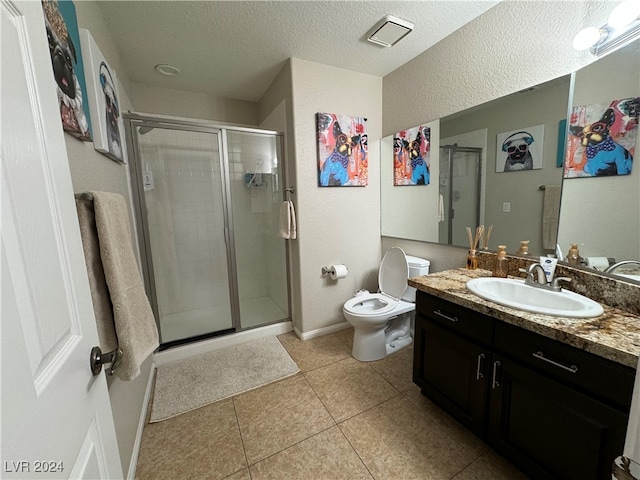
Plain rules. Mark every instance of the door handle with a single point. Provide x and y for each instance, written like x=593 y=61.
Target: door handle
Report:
x=479 y=374
x=97 y=359
x=494 y=382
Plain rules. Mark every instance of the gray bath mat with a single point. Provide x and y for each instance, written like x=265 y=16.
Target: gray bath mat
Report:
x=192 y=383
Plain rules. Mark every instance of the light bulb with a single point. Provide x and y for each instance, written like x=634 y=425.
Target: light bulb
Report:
x=587 y=38
x=624 y=14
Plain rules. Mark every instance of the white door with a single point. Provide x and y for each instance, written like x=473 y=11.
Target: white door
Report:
x=56 y=416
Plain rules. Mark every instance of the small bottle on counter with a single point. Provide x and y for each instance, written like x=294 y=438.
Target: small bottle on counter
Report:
x=573 y=256
x=500 y=265
x=524 y=247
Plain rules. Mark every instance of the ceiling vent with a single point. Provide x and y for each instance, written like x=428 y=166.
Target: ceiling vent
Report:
x=389 y=31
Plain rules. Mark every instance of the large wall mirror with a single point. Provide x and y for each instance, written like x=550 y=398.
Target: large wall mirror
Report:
x=472 y=182
x=602 y=214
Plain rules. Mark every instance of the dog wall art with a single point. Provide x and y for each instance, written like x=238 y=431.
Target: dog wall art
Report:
x=66 y=60
x=102 y=97
x=412 y=156
x=343 y=150
x=520 y=149
x=602 y=139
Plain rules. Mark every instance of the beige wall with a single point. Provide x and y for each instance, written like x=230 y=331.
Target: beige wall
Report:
x=512 y=46
x=178 y=103
x=340 y=224
x=91 y=170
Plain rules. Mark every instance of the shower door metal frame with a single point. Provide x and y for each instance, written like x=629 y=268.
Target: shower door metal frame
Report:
x=131 y=122
x=451 y=152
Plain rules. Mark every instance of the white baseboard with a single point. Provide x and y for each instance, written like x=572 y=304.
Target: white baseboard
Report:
x=212 y=344
x=321 y=331
x=133 y=464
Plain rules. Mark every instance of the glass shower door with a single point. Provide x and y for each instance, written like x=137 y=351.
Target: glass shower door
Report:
x=255 y=164
x=460 y=190
x=183 y=191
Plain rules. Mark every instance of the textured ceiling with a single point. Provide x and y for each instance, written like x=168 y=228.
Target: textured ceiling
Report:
x=234 y=49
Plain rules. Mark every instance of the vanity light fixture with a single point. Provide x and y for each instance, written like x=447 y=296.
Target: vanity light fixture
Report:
x=623 y=27
x=389 y=31
x=168 y=70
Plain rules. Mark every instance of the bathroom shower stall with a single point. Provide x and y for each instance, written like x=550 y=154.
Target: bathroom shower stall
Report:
x=460 y=179
x=207 y=201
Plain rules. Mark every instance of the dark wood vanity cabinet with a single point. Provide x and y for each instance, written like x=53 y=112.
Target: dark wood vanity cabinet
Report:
x=451 y=344
x=555 y=411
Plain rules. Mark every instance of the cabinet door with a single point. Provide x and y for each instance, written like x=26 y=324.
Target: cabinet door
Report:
x=451 y=370
x=549 y=430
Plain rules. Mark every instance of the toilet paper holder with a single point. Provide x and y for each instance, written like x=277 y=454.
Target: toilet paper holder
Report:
x=327 y=270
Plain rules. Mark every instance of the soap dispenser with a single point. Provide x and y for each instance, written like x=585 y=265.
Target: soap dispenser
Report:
x=500 y=266
x=573 y=256
x=524 y=247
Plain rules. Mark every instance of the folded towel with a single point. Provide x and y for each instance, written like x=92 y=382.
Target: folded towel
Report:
x=97 y=282
x=632 y=443
x=287 y=221
x=132 y=322
x=550 y=216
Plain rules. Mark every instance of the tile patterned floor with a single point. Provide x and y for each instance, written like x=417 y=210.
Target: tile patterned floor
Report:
x=337 y=419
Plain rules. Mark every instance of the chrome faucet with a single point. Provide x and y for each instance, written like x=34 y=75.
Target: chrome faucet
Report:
x=613 y=267
x=536 y=277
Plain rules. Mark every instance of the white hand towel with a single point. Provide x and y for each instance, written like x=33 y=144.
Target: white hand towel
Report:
x=440 y=208
x=632 y=443
x=292 y=216
x=287 y=221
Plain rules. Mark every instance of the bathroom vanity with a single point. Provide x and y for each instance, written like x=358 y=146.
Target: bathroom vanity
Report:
x=550 y=394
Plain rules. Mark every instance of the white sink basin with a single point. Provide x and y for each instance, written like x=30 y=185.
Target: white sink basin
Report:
x=515 y=294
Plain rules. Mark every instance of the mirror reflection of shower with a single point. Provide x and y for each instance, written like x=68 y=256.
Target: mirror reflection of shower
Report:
x=459 y=186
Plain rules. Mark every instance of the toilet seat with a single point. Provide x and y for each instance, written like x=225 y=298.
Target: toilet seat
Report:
x=392 y=279
x=376 y=305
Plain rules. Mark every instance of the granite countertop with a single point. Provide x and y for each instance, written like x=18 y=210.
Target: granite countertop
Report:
x=614 y=335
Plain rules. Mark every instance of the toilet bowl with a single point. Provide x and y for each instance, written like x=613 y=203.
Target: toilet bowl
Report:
x=382 y=321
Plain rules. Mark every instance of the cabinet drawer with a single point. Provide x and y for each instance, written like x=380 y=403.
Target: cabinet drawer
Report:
x=597 y=376
x=466 y=322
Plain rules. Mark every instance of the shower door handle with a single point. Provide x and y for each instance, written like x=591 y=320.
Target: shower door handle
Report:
x=226 y=236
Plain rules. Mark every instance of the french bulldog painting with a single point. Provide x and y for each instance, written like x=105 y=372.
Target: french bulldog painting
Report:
x=604 y=155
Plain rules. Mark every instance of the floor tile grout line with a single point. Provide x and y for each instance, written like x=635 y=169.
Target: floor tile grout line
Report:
x=320 y=399
x=356 y=451
x=244 y=450
x=466 y=466
x=290 y=446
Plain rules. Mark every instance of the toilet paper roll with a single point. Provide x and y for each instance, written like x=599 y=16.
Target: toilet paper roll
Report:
x=337 y=271
x=598 y=263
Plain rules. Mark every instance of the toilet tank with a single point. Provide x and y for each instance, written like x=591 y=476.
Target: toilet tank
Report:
x=417 y=268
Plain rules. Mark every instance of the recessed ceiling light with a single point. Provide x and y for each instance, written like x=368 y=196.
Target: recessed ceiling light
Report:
x=168 y=70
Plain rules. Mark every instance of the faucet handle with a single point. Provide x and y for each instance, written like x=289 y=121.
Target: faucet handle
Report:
x=555 y=283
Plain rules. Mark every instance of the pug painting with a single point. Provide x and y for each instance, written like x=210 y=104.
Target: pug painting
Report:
x=64 y=62
x=518 y=155
x=520 y=150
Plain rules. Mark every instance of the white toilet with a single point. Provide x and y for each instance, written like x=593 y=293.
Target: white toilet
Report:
x=382 y=321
